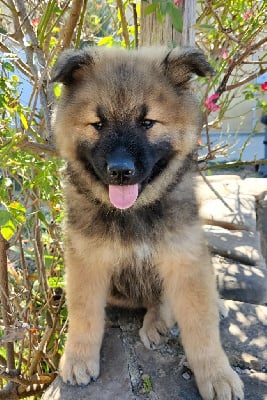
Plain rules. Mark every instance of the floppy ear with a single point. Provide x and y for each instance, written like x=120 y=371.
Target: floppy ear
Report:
x=181 y=64
x=71 y=66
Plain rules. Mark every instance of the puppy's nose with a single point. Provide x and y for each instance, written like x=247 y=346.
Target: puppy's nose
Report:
x=120 y=171
x=120 y=167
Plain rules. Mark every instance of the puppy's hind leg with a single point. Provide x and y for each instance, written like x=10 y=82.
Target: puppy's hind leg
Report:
x=154 y=327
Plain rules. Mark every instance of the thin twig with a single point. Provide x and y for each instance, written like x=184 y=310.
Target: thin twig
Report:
x=36 y=68
x=20 y=65
x=67 y=30
x=136 y=38
x=214 y=191
x=224 y=224
x=237 y=60
x=246 y=80
x=234 y=164
x=81 y=23
x=4 y=297
x=124 y=24
x=38 y=147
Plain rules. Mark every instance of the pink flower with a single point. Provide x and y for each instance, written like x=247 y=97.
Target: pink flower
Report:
x=248 y=14
x=177 y=2
x=264 y=86
x=224 y=54
x=210 y=104
x=35 y=21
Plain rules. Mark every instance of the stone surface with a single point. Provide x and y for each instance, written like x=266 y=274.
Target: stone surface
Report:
x=114 y=382
x=240 y=211
x=226 y=185
x=240 y=282
x=262 y=223
x=244 y=335
x=242 y=246
x=254 y=186
x=131 y=372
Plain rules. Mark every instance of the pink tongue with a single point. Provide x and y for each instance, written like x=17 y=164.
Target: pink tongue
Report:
x=123 y=196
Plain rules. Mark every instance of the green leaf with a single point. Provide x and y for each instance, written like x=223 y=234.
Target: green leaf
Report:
x=4 y=217
x=249 y=96
x=18 y=211
x=204 y=27
x=160 y=16
x=164 y=8
x=176 y=17
x=42 y=218
x=8 y=66
x=15 y=205
x=57 y=90
x=23 y=121
x=8 y=230
x=150 y=8
x=106 y=41
x=55 y=282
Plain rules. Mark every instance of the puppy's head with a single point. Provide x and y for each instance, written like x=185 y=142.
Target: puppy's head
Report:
x=127 y=119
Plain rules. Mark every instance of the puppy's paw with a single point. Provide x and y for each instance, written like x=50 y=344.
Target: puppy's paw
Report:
x=78 y=369
x=152 y=332
x=219 y=384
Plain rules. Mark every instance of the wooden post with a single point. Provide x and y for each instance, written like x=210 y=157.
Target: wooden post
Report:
x=155 y=33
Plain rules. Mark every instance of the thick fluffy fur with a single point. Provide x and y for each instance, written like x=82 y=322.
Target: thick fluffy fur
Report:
x=136 y=105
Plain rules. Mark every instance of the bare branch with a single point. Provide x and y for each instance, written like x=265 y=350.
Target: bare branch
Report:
x=38 y=147
x=42 y=65
x=124 y=24
x=136 y=38
x=20 y=387
x=246 y=80
x=237 y=60
x=18 y=62
x=222 y=28
x=214 y=191
x=224 y=224
x=70 y=25
x=4 y=296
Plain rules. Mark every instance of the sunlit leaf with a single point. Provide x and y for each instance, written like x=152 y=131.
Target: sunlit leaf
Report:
x=106 y=41
x=55 y=282
x=23 y=121
x=57 y=90
x=8 y=230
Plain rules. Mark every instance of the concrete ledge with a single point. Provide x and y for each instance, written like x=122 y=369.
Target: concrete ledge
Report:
x=240 y=282
x=131 y=372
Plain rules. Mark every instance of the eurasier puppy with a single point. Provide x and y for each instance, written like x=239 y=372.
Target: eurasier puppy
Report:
x=127 y=125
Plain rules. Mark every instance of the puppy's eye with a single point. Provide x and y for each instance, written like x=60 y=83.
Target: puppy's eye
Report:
x=148 y=123
x=97 y=125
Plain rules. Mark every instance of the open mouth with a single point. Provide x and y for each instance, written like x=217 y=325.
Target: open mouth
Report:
x=124 y=196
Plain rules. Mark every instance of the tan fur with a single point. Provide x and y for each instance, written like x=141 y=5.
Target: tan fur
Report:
x=154 y=254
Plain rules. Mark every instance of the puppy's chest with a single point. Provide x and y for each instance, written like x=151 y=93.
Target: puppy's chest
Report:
x=136 y=278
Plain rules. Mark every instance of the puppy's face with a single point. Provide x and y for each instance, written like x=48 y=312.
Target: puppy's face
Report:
x=125 y=117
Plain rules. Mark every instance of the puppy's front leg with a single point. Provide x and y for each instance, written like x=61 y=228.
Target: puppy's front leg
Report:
x=86 y=298
x=189 y=287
